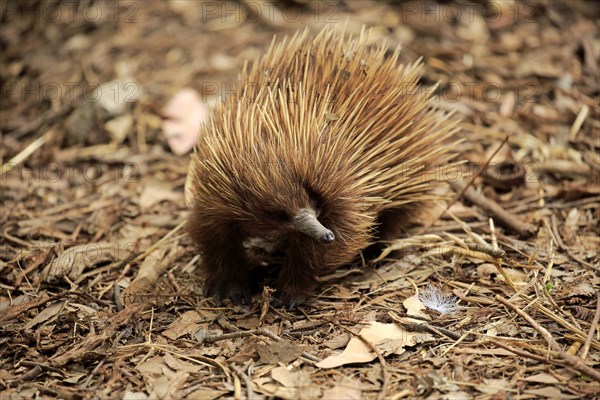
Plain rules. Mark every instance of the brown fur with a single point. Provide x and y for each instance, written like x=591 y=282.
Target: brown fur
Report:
x=325 y=124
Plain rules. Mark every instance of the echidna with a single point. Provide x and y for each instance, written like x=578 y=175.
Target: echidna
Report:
x=326 y=146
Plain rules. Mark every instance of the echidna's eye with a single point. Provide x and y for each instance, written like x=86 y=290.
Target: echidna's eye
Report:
x=280 y=216
x=315 y=199
x=316 y=206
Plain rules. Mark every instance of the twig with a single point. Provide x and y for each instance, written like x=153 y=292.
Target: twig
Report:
x=578 y=122
x=310 y=325
x=31 y=374
x=247 y=381
x=494 y=238
x=555 y=234
x=458 y=196
x=160 y=242
x=259 y=331
x=542 y=331
x=386 y=376
x=524 y=353
x=575 y=203
x=26 y=152
x=427 y=328
x=483 y=301
x=237 y=387
x=564 y=168
x=196 y=358
x=457 y=342
x=522 y=228
x=563 y=363
x=48 y=117
x=91 y=375
x=17 y=310
x=574 y=362
x=588 y=341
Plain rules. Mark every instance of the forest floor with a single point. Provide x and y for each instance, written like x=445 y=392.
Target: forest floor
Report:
x=100 y=291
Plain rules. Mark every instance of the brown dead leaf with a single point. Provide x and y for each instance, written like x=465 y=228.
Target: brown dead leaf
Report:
x=152 y=268
x=245 y=353
x=489 y=271
x=134 y=395
x=250 y=322
x=206 y=394
x=541 y=378
x=187 y=323
x=123 y=92
x=156 y=191
x=281 y=351
x=83 y=312
x=296 y=384
x=389 y=339
x=457 y=395
x=6 y=376
x=415 y=307
x=153 y=366
x=346 y=388
x=22 y=299
x=168 y=386
x=179 y=365
x=355 y=352
x=160 y=388
x=119 y=127
x=580 y=286
x=76 y=259
x=289 y=378
x=74 y=377
x=133 y=233
x=493 y=386
x=83 y=350
x=47 y=313
x=337 y=341
x=551 y=392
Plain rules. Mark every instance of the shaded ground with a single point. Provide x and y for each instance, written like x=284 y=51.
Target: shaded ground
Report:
x=93 y=197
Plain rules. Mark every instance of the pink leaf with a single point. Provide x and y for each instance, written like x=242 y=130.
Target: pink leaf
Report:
x=183 y=115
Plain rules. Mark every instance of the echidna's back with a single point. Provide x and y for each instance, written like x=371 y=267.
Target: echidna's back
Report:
x=340 y=101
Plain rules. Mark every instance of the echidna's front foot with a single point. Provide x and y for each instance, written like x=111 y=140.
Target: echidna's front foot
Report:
x=289 y=300
x=296 y=279
x=292 y=294
x=236 y=290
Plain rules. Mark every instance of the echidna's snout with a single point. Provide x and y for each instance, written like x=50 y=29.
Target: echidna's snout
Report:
x=306 y=222
x=328 y=237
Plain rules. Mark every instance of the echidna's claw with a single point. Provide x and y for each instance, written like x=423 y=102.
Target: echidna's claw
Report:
x=236 y=297
x=240 y=292
x=275 y=302
x=247 y=295
x=219 y=297
x=289 y=301
x=236 y=291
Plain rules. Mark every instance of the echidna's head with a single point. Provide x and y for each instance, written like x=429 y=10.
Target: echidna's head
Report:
x=290 y=205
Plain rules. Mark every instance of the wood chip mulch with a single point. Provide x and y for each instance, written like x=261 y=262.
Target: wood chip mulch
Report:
x=496 y=294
